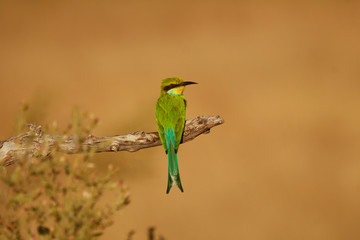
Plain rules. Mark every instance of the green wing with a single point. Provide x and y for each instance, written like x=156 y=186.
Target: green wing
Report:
x=170 y=113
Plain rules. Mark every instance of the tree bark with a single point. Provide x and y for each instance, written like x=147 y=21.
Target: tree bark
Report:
x=36 y=142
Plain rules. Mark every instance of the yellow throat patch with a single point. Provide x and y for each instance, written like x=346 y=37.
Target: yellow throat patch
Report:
x=177 y=91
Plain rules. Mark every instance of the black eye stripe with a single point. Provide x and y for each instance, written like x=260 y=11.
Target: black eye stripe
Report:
x=167 y=88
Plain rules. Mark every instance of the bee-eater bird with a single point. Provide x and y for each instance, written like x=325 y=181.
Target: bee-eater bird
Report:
x=170 y=119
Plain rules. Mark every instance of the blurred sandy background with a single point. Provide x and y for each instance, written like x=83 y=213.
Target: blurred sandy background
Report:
x=285 y=77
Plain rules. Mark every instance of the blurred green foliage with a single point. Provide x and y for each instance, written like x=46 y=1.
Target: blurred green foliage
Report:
x=59 y=196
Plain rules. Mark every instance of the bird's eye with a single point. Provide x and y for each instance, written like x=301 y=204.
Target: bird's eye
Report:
x=172 y=85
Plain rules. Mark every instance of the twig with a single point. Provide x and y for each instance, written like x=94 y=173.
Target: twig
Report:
x=36 y=142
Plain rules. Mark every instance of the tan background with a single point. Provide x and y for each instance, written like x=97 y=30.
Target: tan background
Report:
x=285 y=77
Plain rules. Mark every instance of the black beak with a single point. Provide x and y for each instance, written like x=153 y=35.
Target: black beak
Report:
x=187 y=83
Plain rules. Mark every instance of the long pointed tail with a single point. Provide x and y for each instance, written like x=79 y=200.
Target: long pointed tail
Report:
x=173 y=172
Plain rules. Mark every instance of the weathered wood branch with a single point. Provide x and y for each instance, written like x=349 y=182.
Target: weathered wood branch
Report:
x=36 y=142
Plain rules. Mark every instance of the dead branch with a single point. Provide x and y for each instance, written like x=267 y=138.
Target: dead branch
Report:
x=36 y=142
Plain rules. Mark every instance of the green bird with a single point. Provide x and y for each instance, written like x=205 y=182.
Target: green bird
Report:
x=170 y=119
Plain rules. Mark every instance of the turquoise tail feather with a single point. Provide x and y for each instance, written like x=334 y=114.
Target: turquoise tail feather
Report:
x=173 y=173
x=173 y=169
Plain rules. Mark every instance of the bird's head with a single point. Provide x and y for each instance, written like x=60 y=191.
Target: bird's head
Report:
x=174 y=86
